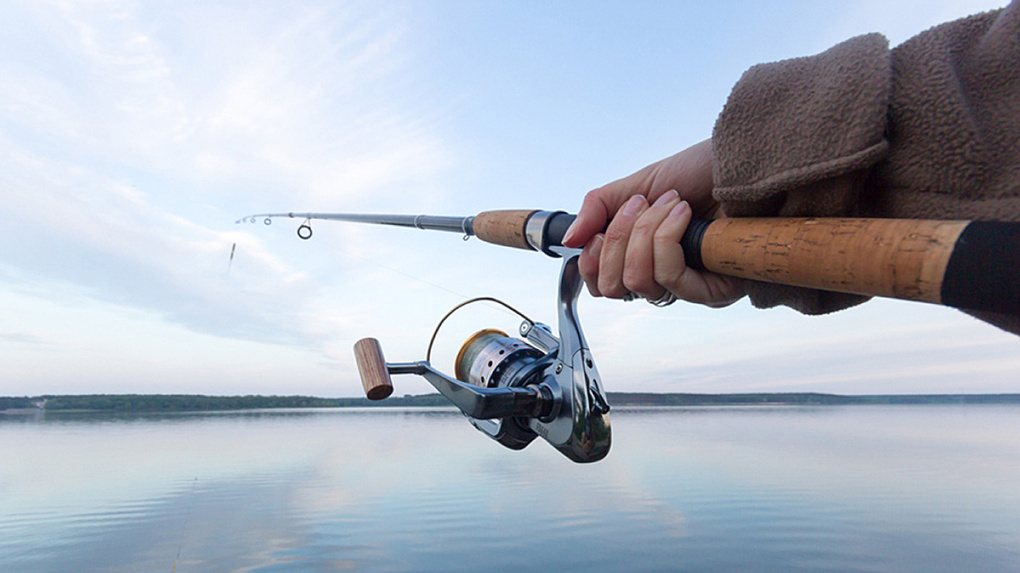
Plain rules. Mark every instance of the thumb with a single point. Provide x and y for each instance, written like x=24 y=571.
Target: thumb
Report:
x=590 y=220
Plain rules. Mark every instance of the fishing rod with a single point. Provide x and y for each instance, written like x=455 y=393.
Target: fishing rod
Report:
x=516 y=389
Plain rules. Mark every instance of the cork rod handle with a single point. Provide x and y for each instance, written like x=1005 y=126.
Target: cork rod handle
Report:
x=898 y=258
x=973 y=265
x=506 y=228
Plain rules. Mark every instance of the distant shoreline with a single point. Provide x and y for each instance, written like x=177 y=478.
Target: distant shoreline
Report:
x=202 y=403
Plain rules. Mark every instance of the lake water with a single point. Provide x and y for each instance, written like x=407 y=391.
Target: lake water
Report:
x=860 y=488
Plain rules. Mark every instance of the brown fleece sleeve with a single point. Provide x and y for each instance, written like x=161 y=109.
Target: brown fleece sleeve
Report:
x=930 y=129
x=793 y=123
x=790 y=139
x=954 y=123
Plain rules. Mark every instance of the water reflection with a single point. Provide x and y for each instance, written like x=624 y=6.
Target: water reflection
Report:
x=884 y=488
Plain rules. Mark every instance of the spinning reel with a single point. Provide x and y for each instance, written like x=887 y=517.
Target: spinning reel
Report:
x=517 y=389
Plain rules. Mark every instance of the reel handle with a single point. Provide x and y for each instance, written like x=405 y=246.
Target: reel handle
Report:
x=375 y=377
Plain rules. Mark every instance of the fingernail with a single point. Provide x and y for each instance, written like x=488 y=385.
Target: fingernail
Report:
x=667 y=197
x=633 y=205
x=596 y=245
x=570 y=232
x=680 y=208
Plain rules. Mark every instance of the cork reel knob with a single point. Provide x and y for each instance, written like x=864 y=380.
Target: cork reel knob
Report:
x=375 y=377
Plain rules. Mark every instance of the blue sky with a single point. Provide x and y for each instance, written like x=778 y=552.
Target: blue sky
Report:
x=134 y=134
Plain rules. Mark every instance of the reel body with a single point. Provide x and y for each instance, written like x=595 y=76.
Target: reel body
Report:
x=516 y=389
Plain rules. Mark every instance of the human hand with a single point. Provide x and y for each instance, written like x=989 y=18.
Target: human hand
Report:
x=640 y=252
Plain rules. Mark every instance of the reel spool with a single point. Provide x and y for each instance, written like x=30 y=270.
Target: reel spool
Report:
x=490 y=358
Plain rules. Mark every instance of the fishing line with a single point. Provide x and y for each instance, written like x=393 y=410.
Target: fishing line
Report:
x=187 y=515
x=503 y=308
x=412 y=277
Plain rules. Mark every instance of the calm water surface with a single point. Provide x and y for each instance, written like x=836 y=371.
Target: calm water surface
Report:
x=861 y=488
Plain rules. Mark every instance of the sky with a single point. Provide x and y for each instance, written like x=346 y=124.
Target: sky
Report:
x=134 y=134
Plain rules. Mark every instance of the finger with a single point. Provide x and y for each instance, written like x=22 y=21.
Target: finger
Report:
x=588 y=264
x=590 y=220
x=614 y=248
x=671 y=269
x=639 y=263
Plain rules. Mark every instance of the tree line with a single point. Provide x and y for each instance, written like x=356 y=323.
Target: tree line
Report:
x=199 y=402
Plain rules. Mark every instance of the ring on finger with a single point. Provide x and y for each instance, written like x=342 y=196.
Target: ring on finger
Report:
x=666 y=299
